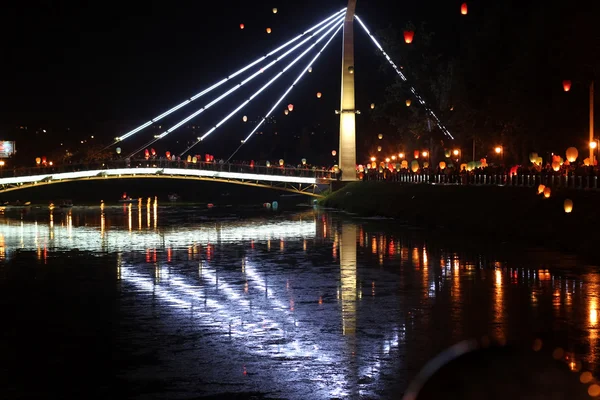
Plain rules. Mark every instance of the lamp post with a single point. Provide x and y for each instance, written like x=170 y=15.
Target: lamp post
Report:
x=500 y=151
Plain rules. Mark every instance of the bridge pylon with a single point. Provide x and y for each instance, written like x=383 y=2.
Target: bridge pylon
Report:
x=347 y=149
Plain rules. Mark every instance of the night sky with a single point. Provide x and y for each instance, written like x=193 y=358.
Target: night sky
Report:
x=103 y=68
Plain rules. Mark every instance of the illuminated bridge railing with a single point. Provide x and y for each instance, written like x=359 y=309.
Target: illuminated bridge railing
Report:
x=308 y=172
x=587 y=182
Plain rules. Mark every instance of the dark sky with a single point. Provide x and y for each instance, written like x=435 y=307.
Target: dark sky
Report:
x=106 y=67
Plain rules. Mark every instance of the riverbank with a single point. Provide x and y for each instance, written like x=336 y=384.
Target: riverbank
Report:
x=505 y=214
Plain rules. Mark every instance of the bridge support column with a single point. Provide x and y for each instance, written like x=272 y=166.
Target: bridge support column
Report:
x=347 y=150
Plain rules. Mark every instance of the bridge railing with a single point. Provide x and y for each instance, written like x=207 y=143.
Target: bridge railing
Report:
x=143 y=163
x=588 y=182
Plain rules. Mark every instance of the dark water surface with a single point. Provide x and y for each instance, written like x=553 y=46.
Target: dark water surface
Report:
x=163 y=302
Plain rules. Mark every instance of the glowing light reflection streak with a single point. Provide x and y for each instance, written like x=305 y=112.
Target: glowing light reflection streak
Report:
x=20 y=235
x=403 y=77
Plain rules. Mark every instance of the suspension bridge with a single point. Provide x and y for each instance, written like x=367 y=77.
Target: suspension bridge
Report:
x=307 y=48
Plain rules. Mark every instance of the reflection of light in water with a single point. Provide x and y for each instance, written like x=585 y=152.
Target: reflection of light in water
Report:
x=2 y=248
x=593 y=305
x=498 y=303
x=335 y=245
x=593 y=292
x=69 y=224
x=102 y=224
x=415 y=258
x=155 y=207
x=119 y=264
x=148 y=205
x=374 y=245
x=140 y=215
x=304 y=246
x=23 y=235
x=129 y=217
x=281 y=245
x=348 y=278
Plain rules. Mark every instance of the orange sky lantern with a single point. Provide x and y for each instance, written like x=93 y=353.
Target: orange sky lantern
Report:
x=463 y=9
x=268 y=30
x=409 y=36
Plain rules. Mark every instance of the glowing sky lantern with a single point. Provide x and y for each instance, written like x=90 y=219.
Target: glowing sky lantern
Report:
x=547 y=192
x=168 y=154
x=378 y=148
x=408 y=102
x=566 y=85
x=568 y=205
x=380 y=136
x=309 y=69
x=442 y=165
x=242 y=26
x=372 y=106
x=319 y=94
x=268 y=30
x=291 y=107
x=274 y=10
x=333 y=153
x=572 y=154
x=286 y=112
x=463 y=9
x=245 y=118
x=414 y=166
x=409 y=36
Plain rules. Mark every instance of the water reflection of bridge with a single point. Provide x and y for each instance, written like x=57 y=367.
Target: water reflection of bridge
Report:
x=257 y=300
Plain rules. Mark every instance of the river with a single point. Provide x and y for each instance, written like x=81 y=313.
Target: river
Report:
x=153 y=301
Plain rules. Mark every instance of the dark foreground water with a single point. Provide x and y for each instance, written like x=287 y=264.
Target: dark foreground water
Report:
x=162 y=302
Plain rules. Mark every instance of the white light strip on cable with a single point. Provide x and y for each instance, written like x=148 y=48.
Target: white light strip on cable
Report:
x=233 y=89
x=159 y=172
x=267 y=84
x=287 y=91
x=221 y=82
x=403 y=77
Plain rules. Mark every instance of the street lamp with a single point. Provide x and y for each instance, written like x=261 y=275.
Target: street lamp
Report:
x=593 y=146
x=500 y=151
x=456 y=153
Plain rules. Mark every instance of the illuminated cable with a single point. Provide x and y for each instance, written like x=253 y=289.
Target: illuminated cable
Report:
x=221 y=82
x=403 y=77
x=286 y=92
x=290 y=65
x=239 y=85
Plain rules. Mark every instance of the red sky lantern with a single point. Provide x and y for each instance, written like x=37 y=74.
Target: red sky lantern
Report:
x=409 y=36
x=416 y=153
x=291 y=107
x=146 y=153
x=463 y=9
x=43 y=160
x=207 y=157
x=153 y=152
x=251 y=163
x=242 y=26
x=168 y=154
x=566 y=85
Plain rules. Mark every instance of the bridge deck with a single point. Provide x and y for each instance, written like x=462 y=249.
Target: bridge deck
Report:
x=298 y=180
